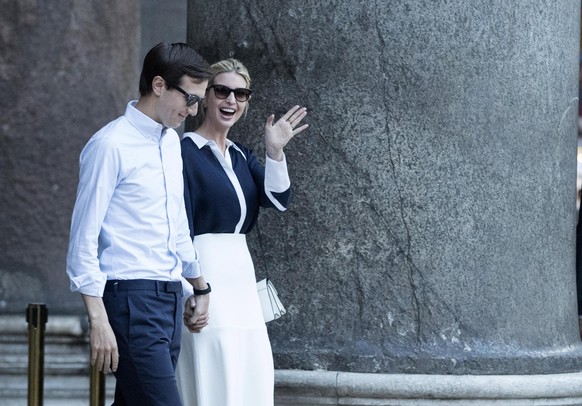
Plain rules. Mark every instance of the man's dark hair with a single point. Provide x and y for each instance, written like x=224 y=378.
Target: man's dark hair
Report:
x=171 y=62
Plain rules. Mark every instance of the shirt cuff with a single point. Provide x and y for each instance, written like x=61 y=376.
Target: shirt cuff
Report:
x=276 y=175
x=192 y=270
x=89 y=284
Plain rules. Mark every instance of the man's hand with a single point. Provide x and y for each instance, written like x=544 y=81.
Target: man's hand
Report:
x=104 y=352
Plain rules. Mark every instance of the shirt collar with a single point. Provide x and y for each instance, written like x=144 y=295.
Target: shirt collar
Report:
x=148 y=127
x=200 y=141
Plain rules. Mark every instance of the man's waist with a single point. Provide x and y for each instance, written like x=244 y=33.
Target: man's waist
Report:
x=114 y=285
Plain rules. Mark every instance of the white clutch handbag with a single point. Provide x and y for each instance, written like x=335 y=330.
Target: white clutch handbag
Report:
x=270 y=303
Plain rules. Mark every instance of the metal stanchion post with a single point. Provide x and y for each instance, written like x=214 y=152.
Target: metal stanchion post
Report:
x=97 y=387
x=36 y=317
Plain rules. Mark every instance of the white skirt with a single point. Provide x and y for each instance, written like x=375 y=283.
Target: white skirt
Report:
x=230 y=362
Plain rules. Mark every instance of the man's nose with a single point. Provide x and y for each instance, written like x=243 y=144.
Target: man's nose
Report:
x=193 y=109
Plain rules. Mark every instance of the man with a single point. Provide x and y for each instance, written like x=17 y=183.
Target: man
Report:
x=130 y=243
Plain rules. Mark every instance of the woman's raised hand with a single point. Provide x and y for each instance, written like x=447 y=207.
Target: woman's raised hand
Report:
x=277 y=135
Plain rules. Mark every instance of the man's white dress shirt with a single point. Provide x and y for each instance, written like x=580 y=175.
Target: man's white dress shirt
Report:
x=129 y=220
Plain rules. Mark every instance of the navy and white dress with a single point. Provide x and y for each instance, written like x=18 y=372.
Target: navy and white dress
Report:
x=230 y=362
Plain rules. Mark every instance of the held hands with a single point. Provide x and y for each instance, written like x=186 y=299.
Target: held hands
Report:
x=196 y=313
x=277 y=135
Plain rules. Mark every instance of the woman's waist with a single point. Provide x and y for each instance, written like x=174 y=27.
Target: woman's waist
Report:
x=222 y=240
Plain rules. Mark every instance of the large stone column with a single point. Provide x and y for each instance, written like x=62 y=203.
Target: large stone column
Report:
x=66 y=69
x=432 y=230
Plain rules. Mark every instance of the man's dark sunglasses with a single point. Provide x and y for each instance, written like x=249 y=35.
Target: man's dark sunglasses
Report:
x=222 y=92
x=191 y=99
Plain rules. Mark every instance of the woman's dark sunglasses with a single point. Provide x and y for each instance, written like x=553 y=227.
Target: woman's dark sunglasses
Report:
x=222 y=92
x=191 y=99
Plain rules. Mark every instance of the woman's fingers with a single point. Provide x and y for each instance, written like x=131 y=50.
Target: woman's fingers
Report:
x=295 y=115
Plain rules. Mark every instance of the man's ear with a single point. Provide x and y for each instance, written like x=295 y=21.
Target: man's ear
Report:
x=158 y=85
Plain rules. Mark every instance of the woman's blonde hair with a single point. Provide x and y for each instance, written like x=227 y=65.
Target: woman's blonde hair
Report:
x=230 y=65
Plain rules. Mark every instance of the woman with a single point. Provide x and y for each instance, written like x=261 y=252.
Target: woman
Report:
x=229 y=362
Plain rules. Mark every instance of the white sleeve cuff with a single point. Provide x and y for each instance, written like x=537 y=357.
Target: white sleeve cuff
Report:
x=192 y=271
x=276 y=175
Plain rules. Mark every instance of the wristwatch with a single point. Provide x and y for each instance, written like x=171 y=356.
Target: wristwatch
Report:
x=206 y=291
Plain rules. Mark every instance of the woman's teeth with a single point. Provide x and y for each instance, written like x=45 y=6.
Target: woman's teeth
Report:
x=227 y=112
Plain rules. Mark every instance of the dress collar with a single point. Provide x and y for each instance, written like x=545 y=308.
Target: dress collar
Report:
x=200 y=141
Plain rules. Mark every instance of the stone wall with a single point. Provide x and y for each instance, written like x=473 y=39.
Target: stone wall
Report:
x=66 y=69
x=432 y=228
